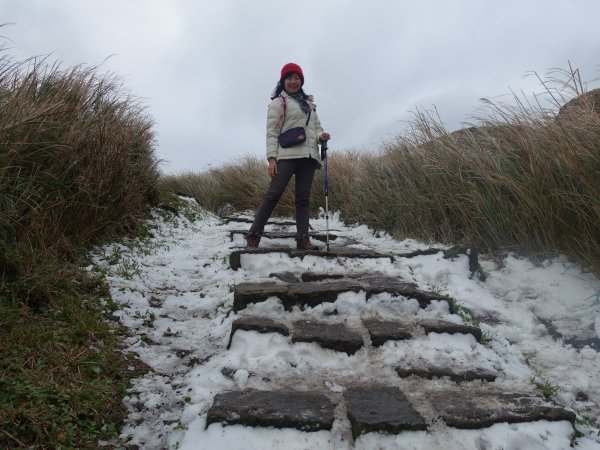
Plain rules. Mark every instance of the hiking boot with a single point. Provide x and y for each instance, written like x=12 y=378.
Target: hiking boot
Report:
x=303 y=243
x=252 y=240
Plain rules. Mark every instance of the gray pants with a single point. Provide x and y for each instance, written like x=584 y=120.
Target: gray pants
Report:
x=304 y=170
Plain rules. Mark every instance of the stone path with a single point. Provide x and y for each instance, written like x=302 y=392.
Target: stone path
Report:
x=425 y=395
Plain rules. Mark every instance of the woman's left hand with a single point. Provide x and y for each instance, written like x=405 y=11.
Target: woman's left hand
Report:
x=324 y=136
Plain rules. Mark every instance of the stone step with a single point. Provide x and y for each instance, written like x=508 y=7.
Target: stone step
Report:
x=469 y=408
x=285 y=235
x=382 y=409
x=457 y=375
x=314 y=293
x=387 y=409
x=260 y=324
x=333 y=336
x=337 y=336
x=235 y=259
x=306 y=411
x=283 y=223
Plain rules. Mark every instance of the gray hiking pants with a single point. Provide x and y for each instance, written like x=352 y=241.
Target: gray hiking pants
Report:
x=304 y=171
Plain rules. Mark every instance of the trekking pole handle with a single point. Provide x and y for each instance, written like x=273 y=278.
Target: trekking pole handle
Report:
x=323 y=150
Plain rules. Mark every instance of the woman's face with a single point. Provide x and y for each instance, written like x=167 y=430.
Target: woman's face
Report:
x=292 y=83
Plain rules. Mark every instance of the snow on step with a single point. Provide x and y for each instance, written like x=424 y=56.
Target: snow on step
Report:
x=260 y=324
x=306 y=411
x=339 y=337
x=239 y=258
x=314 y=293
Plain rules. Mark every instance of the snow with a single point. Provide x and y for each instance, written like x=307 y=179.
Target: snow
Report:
x=174 y=293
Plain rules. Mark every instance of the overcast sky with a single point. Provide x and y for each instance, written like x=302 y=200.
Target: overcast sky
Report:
x=205 y=69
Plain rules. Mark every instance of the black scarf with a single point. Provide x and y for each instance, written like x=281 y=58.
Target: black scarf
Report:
x=301 y=100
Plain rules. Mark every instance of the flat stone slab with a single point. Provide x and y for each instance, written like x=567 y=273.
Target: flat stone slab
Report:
x=442 y=326
x=310 y=276
x=334 y=252
x=382 y=331
x=455 y=374
x=286 y=235
x=470 y=409
x=260 y=324
x=333 y=336
x=315 y=293
x=382 y=409
x=306 y=411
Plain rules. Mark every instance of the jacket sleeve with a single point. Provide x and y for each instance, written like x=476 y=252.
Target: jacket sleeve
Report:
x=274 y=124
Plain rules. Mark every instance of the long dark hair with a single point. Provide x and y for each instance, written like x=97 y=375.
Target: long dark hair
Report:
x=279 y=89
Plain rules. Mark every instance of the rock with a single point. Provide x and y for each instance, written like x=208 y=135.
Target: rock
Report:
x=382 y=331
x=260 y=324
x=382 y=409
x=333 y=336
x=306 y=411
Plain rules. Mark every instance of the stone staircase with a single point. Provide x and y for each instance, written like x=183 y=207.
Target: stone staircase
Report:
x=407 y=391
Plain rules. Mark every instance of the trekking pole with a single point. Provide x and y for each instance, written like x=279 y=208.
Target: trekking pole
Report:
x=324 y=159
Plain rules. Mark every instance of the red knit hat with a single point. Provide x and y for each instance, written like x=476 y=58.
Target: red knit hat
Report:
x=291 y=68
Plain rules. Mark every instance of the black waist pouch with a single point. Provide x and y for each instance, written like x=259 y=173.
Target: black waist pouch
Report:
x=291 y=137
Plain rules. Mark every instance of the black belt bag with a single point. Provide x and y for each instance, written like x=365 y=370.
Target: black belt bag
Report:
x=294 y=136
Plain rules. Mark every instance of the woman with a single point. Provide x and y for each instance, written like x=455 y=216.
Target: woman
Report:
x=290 y=108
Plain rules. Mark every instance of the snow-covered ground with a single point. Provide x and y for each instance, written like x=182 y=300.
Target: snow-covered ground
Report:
x=173 y=291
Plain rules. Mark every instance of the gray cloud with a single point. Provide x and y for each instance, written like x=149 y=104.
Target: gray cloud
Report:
x=206 y=69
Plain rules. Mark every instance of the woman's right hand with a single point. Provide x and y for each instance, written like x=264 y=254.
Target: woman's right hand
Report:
x=272 y=167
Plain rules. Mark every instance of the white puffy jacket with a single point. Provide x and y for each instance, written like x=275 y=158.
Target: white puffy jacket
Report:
x=294 y=117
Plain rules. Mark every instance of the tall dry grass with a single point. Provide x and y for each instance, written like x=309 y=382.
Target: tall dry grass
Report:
x=76 y=161
x=240 y=184
x=77 y=150
x=76 y=165
x=523 y=177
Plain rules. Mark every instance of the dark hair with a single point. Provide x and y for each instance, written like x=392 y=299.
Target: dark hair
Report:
x=279 y=89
